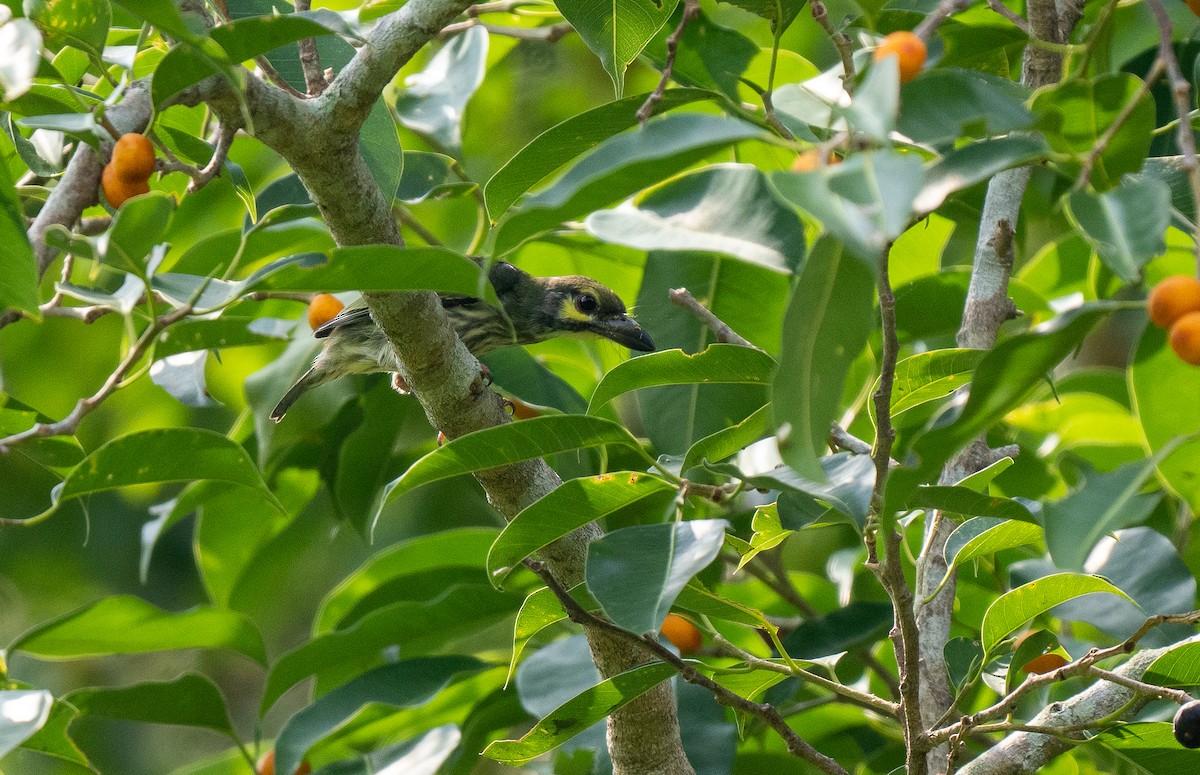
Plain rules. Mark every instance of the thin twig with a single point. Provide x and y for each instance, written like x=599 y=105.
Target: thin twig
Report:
x=1085 y=172
x=225 y=134
x=691 y=9
x=842 y=43
x=1181 y=93
x=85 y=406
x=1011 y=15
x=945 y=10
x=405 y=216
x=274 y=77
x=765 y=711
x=726 y=335
x=549 y=34
x=310 y=58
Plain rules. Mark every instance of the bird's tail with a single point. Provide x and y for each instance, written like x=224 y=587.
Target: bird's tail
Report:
x=310 y=380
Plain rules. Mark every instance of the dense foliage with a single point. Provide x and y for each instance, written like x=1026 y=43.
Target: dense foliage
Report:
x=961 y=569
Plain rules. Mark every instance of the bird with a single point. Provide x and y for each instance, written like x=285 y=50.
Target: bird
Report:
x=532 y=309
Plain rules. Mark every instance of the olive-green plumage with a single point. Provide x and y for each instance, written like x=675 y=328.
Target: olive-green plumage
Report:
x=534 y=309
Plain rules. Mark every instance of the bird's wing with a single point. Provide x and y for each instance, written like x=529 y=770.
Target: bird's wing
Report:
x=349 y=317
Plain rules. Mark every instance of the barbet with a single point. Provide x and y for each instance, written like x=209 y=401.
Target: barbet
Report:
x=534 y=309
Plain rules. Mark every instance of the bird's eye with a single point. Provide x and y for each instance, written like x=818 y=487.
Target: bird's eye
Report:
x=586 y=303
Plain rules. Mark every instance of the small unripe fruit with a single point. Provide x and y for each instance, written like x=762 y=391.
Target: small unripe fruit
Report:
x=682 y=633
x=1173 y=298
x=322 y=309
x=1044 y=664
x=117 y=190
x=909 y=50
x=266 y=765
x=1185 y=338
x=1186 y=725
x=133 y=158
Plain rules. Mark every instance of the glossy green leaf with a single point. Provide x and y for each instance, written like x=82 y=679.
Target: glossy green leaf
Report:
x=723 y=443
x=380 y=148
x=54 y=739
x=416 y=626
x=22 y=713
x=976 y=163
x=1012 y=609
x=866 y=201
x=162 y=455
x=163 y=14
x=1178 y=667
x=1076 y=114
x=969 y=503
x=718 y=364
x=429 y=175
x=1127 y=225
x=1142 y=748
x=190 y=700
x=781 y=13
x=82 y=24
x=929 y=376
x=875 y=103
x=1099 y=504
x=379 y=268
x=124 y=624
x=984 y=536
x=563 y=142
x=1166 y=400
x=726 y=208
x=944 y=104
x=709 y=56
x=465 y=548
x=18 y=268
x=635 y=573
x=571 y=505
x=616 y=32
x=540 y=610
x=407 y=684
x=579 y=713
x=695 y=598
x=827 y=323
x=846 y=487
x=434 y=100
x=215 y=334
x=510 y=443
x=858 y=624
x=244 y=39
x=768 y=533
x=1003 y=378
x=620 y=166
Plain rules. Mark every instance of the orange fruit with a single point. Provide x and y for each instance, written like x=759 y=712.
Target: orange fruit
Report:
x=117 y=189
x=1044 y=664
x=1194 y=5
x=1185 y=338
x=322 y=309
x=1173 y=298
x=909 y=51
x=133 y=158
x=682 y=633
x=266 y=765
x=519 y=410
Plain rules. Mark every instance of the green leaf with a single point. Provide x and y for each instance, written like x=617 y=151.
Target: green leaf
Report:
x=616 y=32
x=415 y=626
x=163 y=14
x=781 y=13
x=968 y=502
x=709 y=56
x=1142 y=748
x=1166 y=399
x=22 y=712
x=465 y=548
x=1076 y=114
x=18 y=268
x=866 y=201
x=1099 y=504
x=718 y=364
x=162 y=455
x=189 y=700
x=827 y=323
x=1003 y=378
x=510 y=443
x=215 y=334
x=1126 y=226
x=723 y=443
x=406 y=684
x=1178 y=667
x=1012 y=609
x=81 y=24
x=975 y=163
x=768 y=533
x=847 y=483
x=380 y=148
x=725 y=208
x=124 y=624
x=619 y=167
x=569 y=506
x=579 y=713
x=429 y=175
x=244 y=39
x=435 y=99
x=858 y=624
x=54 y=738
x=983 y=536
x=695 y=598
x=635 y=573
x=945 y=103
x=540 y=610
x=375 y=268
x=929 y=376
x=563 y=142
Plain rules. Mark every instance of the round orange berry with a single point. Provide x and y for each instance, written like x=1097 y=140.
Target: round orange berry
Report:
x=117 y=189
x=682 y=633
x=1185 y=338
x=133 y=158
x=266 y=765
x=1044 y=664
x=909 y=50
x=1173 y=298
x=322 y=309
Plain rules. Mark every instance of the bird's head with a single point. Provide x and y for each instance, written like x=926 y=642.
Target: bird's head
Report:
x=571 y=305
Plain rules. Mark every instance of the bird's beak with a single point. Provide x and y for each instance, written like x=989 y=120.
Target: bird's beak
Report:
x=626 y=331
